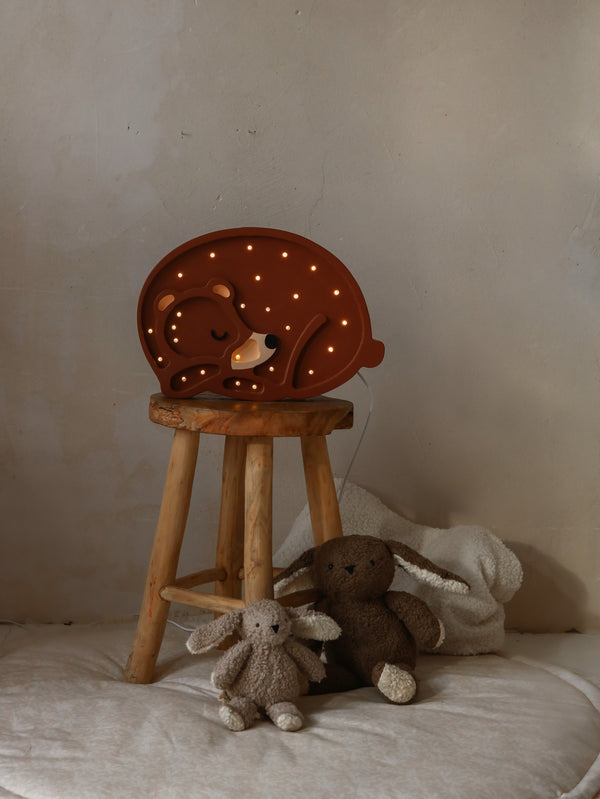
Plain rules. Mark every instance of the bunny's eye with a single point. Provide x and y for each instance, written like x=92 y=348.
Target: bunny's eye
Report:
x=258 y=624
x=330 y=566
x=372 y=562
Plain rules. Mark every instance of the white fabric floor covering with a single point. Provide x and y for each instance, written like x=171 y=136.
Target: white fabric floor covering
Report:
x=522 y=725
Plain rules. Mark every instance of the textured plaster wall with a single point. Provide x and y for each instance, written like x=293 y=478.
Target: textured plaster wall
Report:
x=447 y=150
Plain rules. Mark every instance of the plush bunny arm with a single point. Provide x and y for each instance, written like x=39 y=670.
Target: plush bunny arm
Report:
x=426 y=629
x=306 y=660
x=230 y=665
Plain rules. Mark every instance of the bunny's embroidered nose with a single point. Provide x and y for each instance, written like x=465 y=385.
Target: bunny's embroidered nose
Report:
x=275 y=627
x=350 y=569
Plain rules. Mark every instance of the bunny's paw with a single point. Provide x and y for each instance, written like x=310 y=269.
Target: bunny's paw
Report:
x=238 y=713
x=395 y=683
x=232 y=719
x=286 y=716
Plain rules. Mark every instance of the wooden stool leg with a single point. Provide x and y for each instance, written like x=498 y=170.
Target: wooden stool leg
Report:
x=320 y=489
x=258 y=548
x=230 y=542
x=165 y=555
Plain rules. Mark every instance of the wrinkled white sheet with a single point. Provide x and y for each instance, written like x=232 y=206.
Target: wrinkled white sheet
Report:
x=484 y=727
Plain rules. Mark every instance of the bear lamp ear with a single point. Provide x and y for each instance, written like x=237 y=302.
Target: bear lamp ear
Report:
x=425 y=571
x=209 y=636
x=165 y=301
x=222 y=290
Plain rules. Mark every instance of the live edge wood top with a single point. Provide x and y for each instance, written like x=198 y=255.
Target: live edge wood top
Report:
x=210 y=413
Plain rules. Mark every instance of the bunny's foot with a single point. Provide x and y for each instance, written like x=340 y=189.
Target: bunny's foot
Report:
x=286 y=716
x=395 y=682
x=238 y=714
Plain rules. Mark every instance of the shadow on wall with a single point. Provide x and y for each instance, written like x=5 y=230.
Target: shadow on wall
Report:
x=549 y=592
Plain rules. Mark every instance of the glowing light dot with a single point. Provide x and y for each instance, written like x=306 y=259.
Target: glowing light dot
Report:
x=296 y=296
x=202 y=371
x=344 y=322
x=183 y=379
x=311 y=371
x=173 y=327
x=284 y=255
x=242 y=304
x=179 y=274
x=179 y=314
x=267 y=309
x=249 y=247
x=288 y=327
x=336 y=292
x=254 y=386
x=213 y=254
x=257 y=277
x=329 y=349
x=160 y=359
x=271 y=368
x=238 y=357
x=150 y=331
x=237 y=382
x=176 y=340
x=313 y=268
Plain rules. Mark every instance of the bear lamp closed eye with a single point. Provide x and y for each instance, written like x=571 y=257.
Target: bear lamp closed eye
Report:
x=254 y=313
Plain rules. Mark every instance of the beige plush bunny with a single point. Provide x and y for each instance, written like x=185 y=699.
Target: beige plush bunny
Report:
x=268 y=669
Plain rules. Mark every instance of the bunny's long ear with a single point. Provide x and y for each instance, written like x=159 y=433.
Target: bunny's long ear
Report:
x=425 y=570
x=312 y=624
x=208 y=636
x=298 y=576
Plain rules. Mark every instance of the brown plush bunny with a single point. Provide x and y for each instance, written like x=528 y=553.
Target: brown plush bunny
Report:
x=268 y=669
x=380 y=629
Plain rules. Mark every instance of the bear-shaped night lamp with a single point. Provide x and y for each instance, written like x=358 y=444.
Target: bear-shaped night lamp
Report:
x=254 y=313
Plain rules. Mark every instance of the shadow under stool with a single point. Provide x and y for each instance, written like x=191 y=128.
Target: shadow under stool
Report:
x=244 y=540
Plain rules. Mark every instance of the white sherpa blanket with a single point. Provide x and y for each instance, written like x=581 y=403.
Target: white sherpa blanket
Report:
x=474 y=622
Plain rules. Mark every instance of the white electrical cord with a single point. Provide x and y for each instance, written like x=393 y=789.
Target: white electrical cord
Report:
x=181 y=627
x=13 y=623
x=360 y=440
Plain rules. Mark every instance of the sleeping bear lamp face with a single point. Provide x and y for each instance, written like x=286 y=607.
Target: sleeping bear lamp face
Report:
x=254 y=313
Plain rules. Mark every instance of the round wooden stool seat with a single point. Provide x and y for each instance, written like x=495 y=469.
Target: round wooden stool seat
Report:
x=220 y=416
x=244 y=540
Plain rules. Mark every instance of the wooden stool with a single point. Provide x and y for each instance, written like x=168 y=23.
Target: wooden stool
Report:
x=244 y=545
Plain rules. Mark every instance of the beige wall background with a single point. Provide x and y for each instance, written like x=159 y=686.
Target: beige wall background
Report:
x=447 y=151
